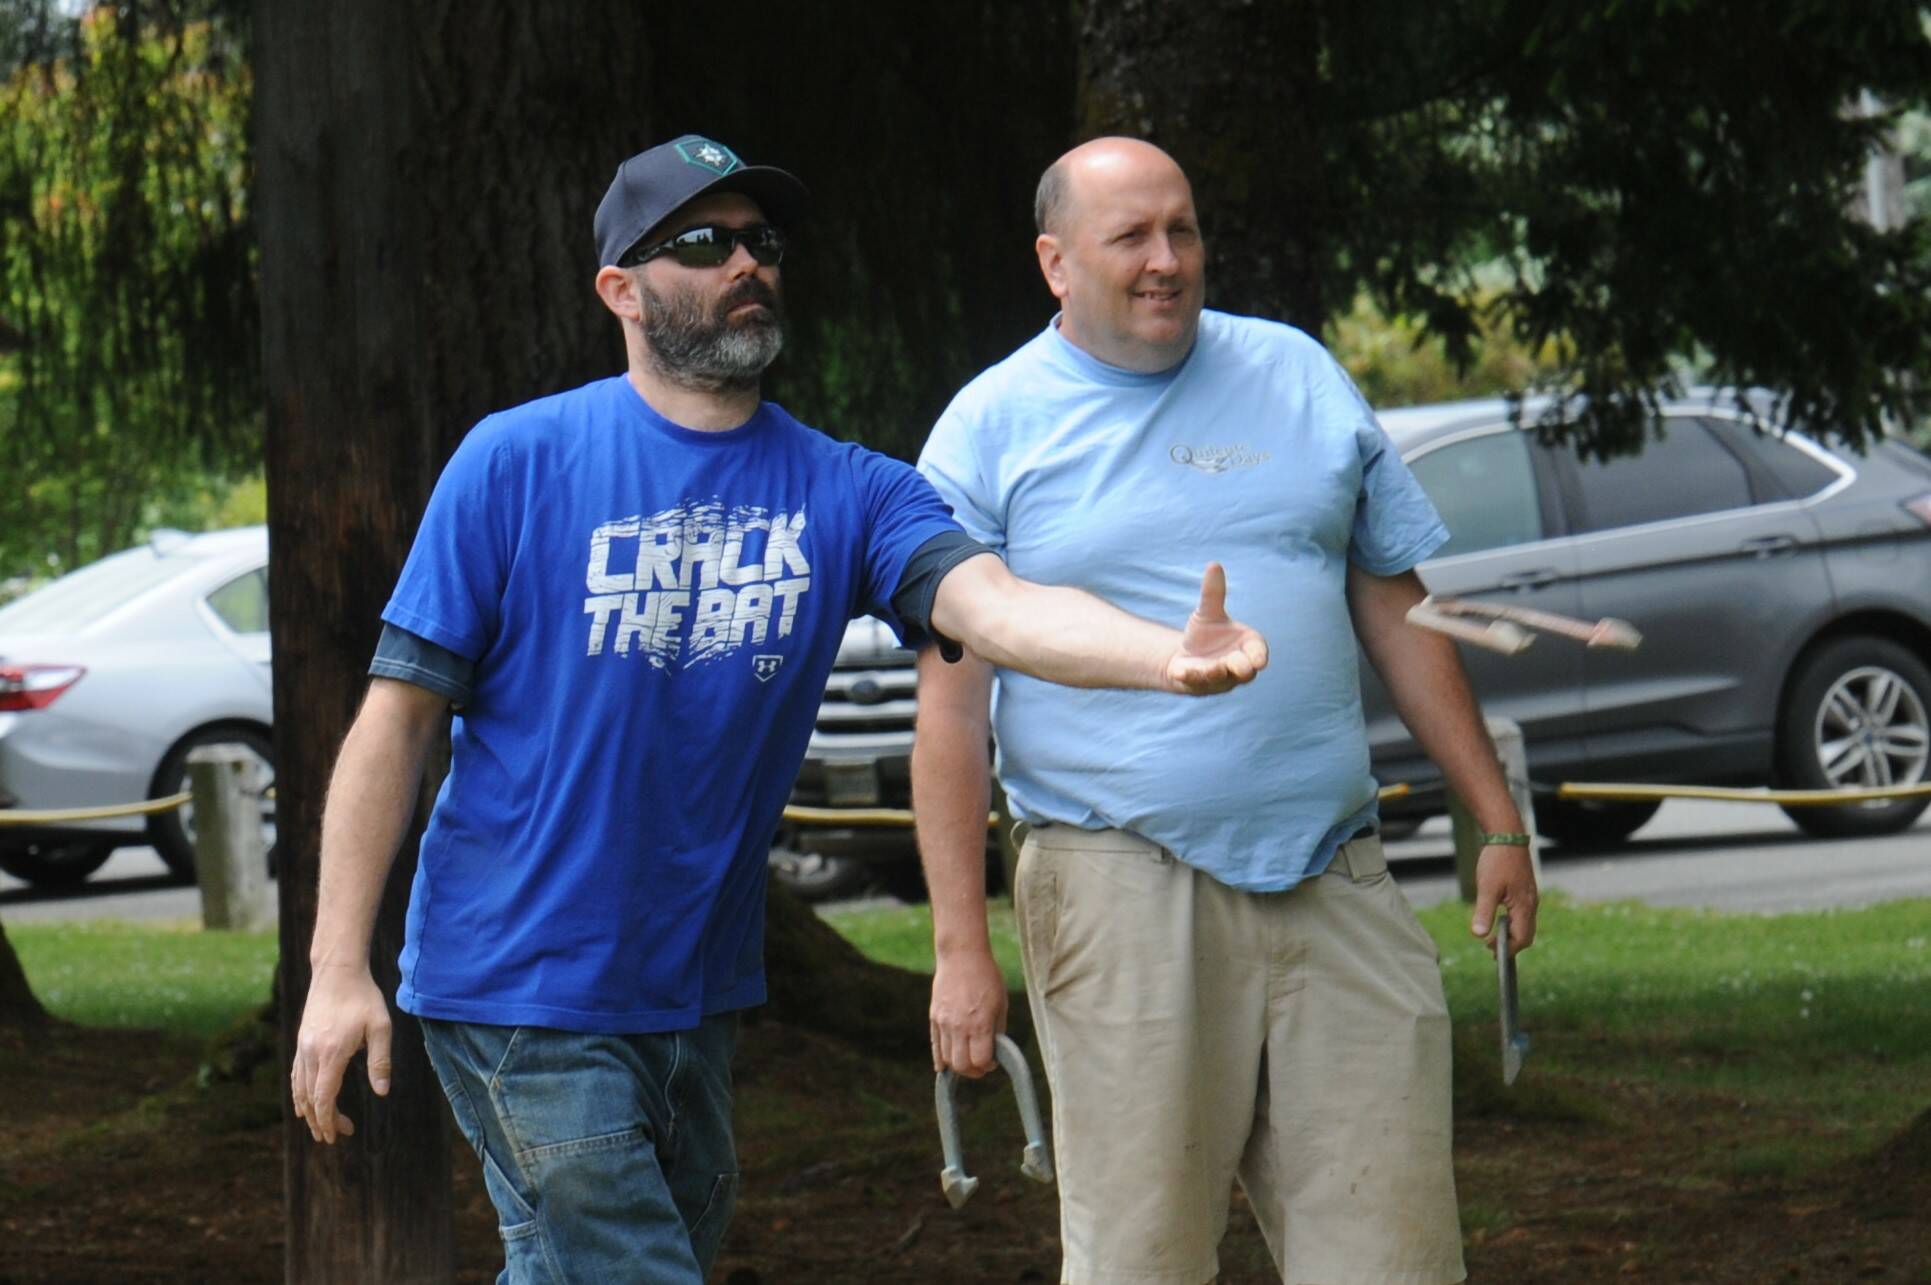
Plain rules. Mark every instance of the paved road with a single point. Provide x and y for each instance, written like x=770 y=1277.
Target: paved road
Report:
x=134 y=884
x=1722 y=856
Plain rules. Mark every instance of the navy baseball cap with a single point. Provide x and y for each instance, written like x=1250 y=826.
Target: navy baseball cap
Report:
x=650 y=185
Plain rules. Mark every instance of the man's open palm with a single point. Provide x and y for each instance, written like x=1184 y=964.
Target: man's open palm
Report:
x=1216 y=653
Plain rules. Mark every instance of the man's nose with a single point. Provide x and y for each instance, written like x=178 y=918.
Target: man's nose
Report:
x=1161 y=256
x=740 y=264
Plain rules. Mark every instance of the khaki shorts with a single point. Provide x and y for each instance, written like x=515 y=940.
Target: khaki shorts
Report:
x=1194 y=1033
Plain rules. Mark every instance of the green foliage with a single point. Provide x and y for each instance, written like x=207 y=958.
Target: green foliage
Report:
x=126 y=283
x=161 y=976
x=1663 y=180
x=1398 y=361
x=1914 y=143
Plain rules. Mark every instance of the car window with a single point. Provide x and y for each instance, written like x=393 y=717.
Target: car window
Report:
x=1684 y=473
x=1484 y=488
x=1796 y=470
x=242 y=603
x=81 y=597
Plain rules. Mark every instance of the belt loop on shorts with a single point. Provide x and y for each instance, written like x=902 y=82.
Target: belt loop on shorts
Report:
x=1360 y=857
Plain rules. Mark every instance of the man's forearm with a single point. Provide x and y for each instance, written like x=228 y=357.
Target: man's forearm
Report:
x=1432 y=696
x=1431 y=693
x=951 y=795
x=1070 y=637
x=950 y=789
x=1067 y=636
x=371 y=801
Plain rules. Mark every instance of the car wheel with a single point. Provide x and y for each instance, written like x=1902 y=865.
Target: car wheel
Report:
x=172 y=833
x=1857 y=719
x=813 y=876
x=60 y=863
x=1591 y=823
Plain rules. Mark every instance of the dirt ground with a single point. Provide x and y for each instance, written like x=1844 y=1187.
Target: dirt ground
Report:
x=116 y=1167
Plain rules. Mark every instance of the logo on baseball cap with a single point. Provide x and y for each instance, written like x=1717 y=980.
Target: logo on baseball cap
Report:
x=651 y=185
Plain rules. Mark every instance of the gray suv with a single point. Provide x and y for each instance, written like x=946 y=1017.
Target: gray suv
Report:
x=1783 y=592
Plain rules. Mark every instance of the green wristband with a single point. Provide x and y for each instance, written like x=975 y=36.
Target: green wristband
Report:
x=1503 y=839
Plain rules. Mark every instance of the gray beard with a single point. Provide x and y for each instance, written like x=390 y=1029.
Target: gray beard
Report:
x=704 y=350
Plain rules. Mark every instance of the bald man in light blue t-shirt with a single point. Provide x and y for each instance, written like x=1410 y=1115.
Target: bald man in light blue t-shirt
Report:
x=1225 y=981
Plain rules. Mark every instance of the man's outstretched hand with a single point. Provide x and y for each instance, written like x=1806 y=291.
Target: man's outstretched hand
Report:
x=1216 y=654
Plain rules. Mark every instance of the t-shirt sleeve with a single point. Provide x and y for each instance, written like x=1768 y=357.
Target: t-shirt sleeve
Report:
x=451 y=588
x=950 y=464
x=1395 y=524
x=401 y=654
x=918 y=589
x=903 y=512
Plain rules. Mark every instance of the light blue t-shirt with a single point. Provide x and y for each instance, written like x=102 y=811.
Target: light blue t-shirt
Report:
x=1256 y=451
x=652 y=613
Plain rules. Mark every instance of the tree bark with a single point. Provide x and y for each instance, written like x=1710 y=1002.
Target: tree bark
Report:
x=18 y=1004
x=426 y=175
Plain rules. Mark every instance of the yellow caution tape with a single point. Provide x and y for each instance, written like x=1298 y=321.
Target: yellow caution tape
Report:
x=862 y=818
x=9 y=816
x=1721 y=794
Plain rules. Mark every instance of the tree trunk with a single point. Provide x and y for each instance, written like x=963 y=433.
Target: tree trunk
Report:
x=819 y=981
x=18 y=1006
x=426 y=175
x=426 y=178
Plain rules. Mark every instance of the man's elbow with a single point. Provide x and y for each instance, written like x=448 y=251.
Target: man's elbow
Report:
x=400 y=711
x=981 y=605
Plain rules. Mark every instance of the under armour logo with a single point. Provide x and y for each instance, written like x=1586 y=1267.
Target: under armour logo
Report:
x=764 y=667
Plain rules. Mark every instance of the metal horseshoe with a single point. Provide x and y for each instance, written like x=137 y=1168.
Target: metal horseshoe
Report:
x=1036 y=1163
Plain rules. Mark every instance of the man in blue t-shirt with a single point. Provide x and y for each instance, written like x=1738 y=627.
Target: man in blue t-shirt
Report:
x=632 y=594
x=1225 y=982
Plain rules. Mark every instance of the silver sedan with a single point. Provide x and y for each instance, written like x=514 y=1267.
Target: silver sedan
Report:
x=111 y=676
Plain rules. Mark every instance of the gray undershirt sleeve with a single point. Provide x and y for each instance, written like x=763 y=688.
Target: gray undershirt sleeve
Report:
x=413 y=659
x=918 y=588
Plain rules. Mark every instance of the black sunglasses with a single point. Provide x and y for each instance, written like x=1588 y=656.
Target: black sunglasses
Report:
x=712 y=246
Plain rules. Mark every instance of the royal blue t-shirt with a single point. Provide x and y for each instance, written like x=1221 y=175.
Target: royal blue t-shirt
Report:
x=653 y=613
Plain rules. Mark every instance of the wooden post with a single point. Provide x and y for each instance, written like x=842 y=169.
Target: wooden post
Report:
x=1512 y=751
x=230 y=859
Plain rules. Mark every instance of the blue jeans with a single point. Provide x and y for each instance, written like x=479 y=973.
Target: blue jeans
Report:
x=608 y=1157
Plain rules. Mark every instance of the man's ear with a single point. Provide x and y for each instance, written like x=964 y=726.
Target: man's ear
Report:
x=1052 y=263
x=619 y=293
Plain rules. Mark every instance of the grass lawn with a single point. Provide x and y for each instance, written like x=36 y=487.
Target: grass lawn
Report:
x=1708 y=1097
x=1724 y=1099
x=1822 y=1013
x=168 y=976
